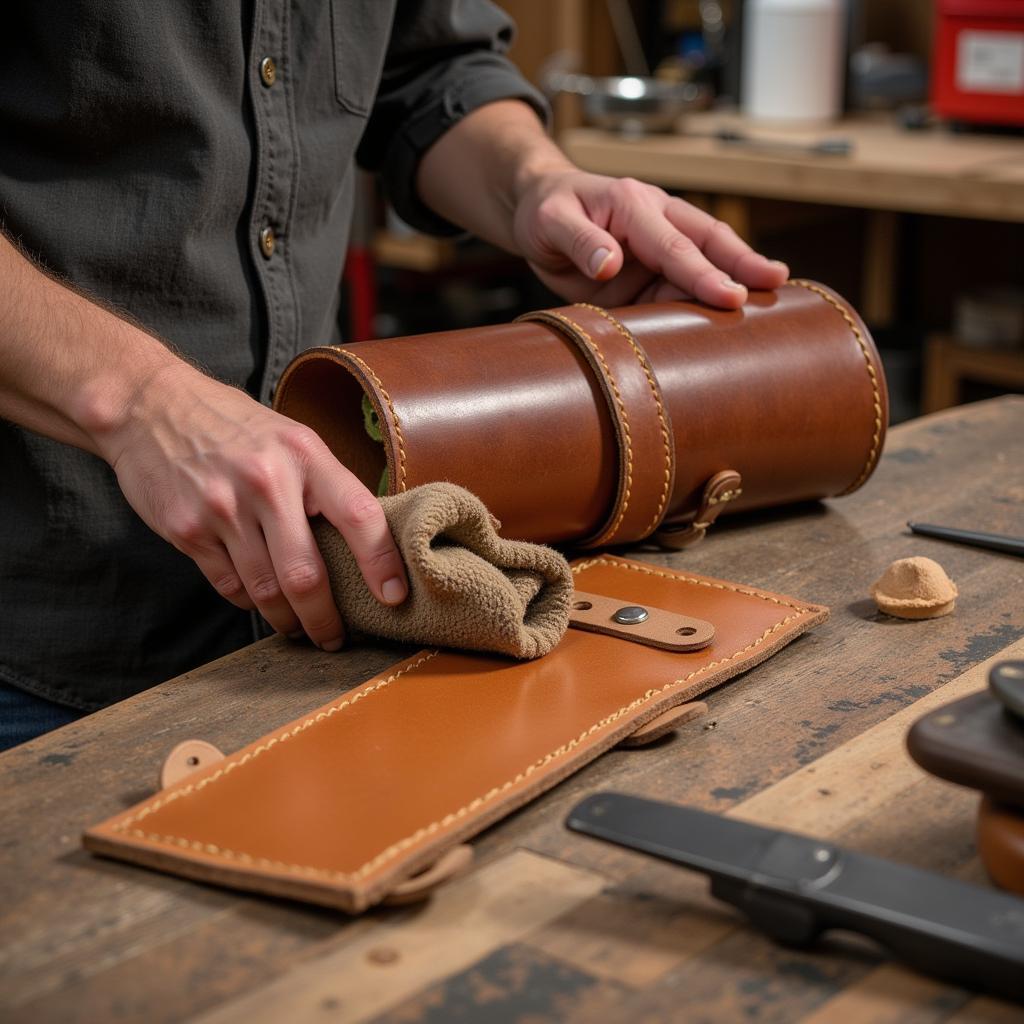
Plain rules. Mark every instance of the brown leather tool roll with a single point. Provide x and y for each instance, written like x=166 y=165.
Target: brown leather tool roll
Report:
x=589 y=427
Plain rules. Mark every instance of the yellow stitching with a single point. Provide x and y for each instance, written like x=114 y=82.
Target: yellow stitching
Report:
x=662 y=420
x=394 y=415
x=449 y=819
x=876 y=394
x=700 y=582
x=229 y=766
x=392 y=851
x=605 y=537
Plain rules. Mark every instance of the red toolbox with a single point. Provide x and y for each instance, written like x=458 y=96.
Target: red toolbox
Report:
x=978 y=61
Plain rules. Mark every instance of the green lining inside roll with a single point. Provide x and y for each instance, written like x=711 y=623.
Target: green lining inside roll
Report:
x=371 y=423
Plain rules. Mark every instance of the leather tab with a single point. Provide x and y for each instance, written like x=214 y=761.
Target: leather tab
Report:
x=187 y=757
x=722 y=488
x=452 y=862
x=666 y=722
x=668 y=631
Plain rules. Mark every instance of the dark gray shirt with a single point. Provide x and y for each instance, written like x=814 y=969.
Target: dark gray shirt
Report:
x=144 y=148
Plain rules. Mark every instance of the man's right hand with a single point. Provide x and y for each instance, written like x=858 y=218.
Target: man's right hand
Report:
x=233 y=485
x=227 y=481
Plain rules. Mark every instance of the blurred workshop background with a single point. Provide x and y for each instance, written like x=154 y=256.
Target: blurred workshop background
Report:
x=875 y=145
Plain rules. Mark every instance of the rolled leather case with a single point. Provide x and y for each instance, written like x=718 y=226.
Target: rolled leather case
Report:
x=344 y=806
x=589 y=427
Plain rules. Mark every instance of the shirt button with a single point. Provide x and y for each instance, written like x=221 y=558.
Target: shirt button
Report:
x=268 y=240
x=268 y=71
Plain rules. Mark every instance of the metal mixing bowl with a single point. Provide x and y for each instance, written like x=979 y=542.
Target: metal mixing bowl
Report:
x=631 y=105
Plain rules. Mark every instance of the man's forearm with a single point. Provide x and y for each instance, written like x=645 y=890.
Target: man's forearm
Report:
x=587 y=236
x=227 y=481
x=476 y=173
x=70 y=369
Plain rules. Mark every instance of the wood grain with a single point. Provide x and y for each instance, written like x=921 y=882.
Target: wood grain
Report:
x=935 y=171
x=85 y=939
x=471 y=918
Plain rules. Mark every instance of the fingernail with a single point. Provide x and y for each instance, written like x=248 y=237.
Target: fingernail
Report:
x=728 y=282
x=598 y=260
x=393 y=591
x=780 y=265
x=333 y=645
x=296 y=635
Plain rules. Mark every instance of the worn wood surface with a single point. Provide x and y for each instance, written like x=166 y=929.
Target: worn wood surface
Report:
x=550 y=925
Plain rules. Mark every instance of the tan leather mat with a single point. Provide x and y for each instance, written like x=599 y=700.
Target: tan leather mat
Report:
x=344 y=805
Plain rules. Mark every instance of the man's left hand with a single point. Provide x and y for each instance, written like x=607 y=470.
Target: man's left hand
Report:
x=614 y=241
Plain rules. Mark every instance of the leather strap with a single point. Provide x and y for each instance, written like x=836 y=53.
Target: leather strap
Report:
x=413 y=890
x=722 y=488
x=638 y=411
x=667 y=722
x=641 y=624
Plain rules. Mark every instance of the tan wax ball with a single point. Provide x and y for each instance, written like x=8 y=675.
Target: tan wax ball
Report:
x=914 y=588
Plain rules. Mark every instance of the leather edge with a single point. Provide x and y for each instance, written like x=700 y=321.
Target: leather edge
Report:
x=876 y=375
x=373 y=388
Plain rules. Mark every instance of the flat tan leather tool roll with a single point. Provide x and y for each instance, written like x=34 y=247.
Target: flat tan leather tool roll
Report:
x=596 y=427
x=369 y=796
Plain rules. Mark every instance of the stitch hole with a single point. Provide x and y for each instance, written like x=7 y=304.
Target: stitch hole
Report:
x=686 y=631
x=582 y=606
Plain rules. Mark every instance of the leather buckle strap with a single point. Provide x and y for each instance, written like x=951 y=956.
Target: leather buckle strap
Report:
x=639 y=414
x=640 y=624
x=722 y=488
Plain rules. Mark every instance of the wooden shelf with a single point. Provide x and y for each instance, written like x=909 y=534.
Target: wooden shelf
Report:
x=412 y=252
x=933 y=171
x=948 y=364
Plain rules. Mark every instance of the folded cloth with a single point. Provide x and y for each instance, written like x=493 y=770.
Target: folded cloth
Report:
x=468 y=587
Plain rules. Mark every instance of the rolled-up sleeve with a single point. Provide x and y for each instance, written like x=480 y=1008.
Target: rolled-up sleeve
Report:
x=446 y=58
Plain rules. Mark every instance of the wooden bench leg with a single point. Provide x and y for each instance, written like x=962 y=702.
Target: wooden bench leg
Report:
x=941 y=384
x=881 y=243
x=735 y=211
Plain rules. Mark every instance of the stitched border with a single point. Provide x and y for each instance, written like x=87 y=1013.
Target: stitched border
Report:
x=876 y=394
x=697 y=580
x=606 y=536
x=390 y=852
x=394 y=415
x=666 y=440
x=230 y=765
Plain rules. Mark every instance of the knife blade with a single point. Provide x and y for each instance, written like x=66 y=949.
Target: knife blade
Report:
x=795 y=887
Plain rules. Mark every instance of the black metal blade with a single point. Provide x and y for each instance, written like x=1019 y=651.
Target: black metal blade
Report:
x=795 y=887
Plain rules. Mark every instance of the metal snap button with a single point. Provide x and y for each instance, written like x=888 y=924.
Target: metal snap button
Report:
x=268 y=241
x=631 y=615
x=268 y=71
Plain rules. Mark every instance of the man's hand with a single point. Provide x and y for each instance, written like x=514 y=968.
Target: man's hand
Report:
x=224 y=479
x=588 y=237
x=232 y=485
x=617 y=240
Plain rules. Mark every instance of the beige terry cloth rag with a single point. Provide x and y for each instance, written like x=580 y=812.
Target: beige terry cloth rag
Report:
x=468 y=587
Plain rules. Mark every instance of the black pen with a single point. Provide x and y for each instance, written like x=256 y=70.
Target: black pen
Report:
x=993 y=541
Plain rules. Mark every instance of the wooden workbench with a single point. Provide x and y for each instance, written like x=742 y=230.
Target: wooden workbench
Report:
x=931 y=171
x=549 y=925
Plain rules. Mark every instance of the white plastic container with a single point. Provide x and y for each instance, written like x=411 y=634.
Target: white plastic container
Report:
x=793 y=59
